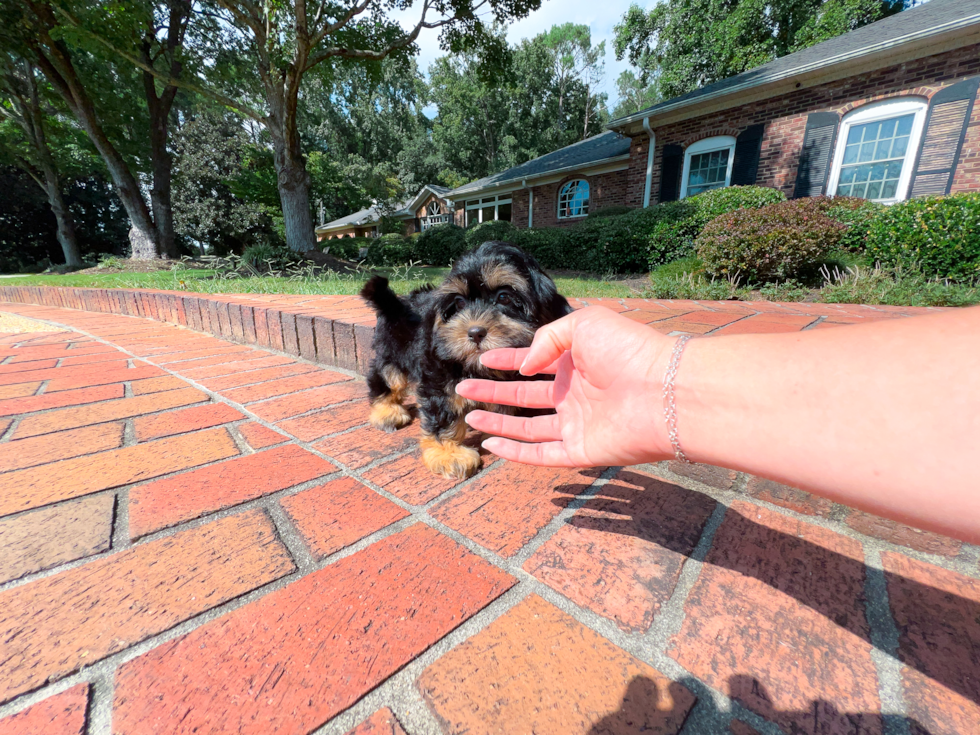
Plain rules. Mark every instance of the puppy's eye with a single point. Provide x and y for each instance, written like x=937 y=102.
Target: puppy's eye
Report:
x=460 y=302
x=505 y=299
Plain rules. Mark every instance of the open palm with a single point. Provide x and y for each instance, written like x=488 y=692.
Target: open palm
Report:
x=606 y=393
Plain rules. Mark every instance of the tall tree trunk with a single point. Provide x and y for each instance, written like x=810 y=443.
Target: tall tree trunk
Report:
x=54 y=60
x=162 y=165
x=33 y=119
x=292 y=178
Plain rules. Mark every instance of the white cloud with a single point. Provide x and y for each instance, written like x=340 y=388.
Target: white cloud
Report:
x=599 y=15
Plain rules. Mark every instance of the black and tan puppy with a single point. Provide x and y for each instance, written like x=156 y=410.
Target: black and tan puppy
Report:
x=494 y=296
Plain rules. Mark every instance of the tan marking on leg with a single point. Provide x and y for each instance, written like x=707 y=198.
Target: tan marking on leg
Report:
x=387 y=411
x=446 y=456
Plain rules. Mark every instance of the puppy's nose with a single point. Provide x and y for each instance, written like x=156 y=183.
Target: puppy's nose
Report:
x=477 y=334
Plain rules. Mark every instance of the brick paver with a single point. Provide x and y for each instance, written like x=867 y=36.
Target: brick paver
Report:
x=538 y=670
x=152 y=471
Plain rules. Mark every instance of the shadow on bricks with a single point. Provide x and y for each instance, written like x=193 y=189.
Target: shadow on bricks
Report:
x=643 y=703
x=776 y=595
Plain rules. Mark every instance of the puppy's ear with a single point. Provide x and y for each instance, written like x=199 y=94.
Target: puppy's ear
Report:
x=552 y=304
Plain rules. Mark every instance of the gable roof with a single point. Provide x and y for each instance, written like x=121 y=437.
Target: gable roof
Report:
x=403 y=210
x=599 y=148
x=921 y=25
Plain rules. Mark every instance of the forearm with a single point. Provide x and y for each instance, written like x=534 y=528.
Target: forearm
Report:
x=884 y=417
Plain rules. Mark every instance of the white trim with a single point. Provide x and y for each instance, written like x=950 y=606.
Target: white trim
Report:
x=588 y=199
x=873 y=112
x=651 y=144
x=477 y=204
x=759 y=80
x=708 y=145
x=601 y=166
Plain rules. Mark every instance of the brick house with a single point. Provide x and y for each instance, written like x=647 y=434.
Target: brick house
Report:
x=427 y=208
x=886 y=112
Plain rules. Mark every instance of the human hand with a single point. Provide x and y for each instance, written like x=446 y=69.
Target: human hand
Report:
x=606 y=393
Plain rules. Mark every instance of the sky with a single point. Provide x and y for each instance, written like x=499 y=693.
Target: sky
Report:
x=599 y=15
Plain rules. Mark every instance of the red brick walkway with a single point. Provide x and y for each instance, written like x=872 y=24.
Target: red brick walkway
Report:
x=199 y=534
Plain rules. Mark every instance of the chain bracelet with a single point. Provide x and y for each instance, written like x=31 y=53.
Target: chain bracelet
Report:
x=670 y=406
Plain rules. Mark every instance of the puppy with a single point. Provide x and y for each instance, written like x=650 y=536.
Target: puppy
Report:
x=494 y=296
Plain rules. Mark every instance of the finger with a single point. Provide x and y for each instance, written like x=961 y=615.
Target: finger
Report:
x=547 y=454
x=524 y=393
x=550 y=342
x=507 y=358
x=534 y=429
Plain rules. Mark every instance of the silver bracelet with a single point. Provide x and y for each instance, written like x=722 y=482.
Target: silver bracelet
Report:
x=670 y=406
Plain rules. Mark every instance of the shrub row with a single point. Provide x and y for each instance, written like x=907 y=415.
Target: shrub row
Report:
x=938 y=237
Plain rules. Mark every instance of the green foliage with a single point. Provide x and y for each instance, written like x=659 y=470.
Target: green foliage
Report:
x=346 y=248
x=391 y=249
x=938 y=235
x=774 y=243
x=478 y=234
x=441 y=244
x=682 y=45
x=609 y=212
x=634 y=94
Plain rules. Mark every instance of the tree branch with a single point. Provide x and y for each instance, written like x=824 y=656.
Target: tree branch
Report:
x=354 y=53
x=167 y=78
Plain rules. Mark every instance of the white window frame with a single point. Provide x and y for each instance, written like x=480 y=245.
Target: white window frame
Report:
x=479 y=204
x=875 y=112
x=588 y=200
x=709 y=145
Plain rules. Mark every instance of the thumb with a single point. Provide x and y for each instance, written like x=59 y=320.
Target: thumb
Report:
x=551 y=342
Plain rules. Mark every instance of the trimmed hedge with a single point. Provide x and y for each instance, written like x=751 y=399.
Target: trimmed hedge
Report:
x=478 y=234
x=346 y=248
x=774 y=243
x=940 y=236
x=392 y=249
x=441 y=244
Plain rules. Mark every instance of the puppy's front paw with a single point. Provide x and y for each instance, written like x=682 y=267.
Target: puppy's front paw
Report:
x=450 y=459
x=388 y=415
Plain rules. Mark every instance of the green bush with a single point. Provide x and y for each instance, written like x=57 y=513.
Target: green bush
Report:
x=609 y=212
x=774 y=243
x=391 y=249
x=478 y=234
x=346 y=248
x=938 y=235
x=441 y=244
x=714 y=202
x=257 y=256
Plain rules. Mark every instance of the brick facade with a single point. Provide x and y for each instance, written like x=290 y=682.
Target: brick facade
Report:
x=412 y=224
x=785 y=120
x=605 y=190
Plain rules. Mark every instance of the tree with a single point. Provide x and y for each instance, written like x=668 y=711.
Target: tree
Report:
x=22 y=107
x=284 y=42
x=575 y=61
x=150 y=34
x=634 y=94
x=682 y=45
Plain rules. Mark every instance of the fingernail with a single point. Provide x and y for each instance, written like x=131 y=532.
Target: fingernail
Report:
x=521 y=368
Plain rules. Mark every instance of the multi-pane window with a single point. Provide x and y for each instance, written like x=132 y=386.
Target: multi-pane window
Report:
x=707 y=171
x=873 y=158
x=488 y=209
x=707 y=165
x=573 y=199
x=875 y=150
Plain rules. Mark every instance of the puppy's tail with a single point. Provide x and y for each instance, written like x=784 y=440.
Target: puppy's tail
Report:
x=385 y=301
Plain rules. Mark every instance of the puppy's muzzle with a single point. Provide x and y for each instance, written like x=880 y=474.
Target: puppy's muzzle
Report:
x=477 y=334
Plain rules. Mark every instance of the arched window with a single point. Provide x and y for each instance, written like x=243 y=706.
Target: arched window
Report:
x=573 y=199
x=875 y=151
x=432 y=208
x=708 y=165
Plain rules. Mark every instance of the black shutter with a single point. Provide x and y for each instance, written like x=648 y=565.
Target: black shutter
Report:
x=670 y=173
x=818 y=147
x=942 y=140
x=745 y=167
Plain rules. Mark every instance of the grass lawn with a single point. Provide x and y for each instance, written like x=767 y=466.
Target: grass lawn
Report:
x=402 y=280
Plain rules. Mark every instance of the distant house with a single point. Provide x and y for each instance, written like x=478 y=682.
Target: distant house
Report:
x=427 y=208
x=886 y=112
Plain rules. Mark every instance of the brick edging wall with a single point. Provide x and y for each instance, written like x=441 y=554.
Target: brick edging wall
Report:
x=331 y=342
x=346 y=343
